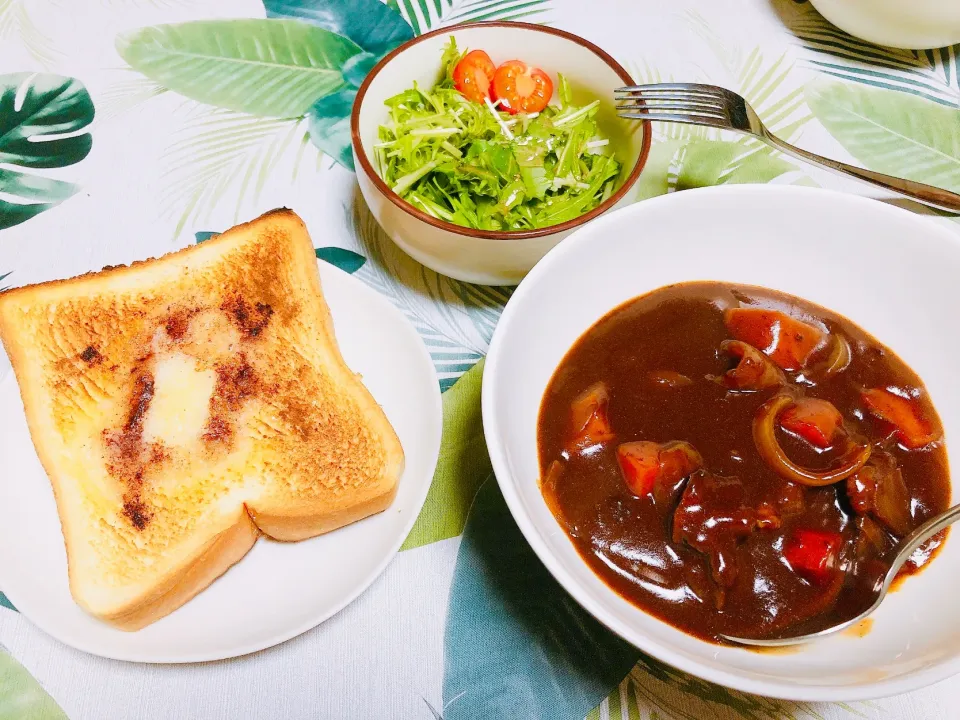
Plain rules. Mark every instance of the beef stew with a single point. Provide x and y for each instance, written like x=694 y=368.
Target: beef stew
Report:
x=738 y=461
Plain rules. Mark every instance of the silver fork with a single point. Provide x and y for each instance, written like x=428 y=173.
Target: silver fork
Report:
x=720 y=108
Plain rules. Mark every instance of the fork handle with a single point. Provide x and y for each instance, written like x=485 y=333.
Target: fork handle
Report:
x=927 y=194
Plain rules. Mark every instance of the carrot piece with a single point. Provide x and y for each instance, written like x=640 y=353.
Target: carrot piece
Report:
x=649 y=467
x=640 y=465
x=910 y=427
x=813 y=554
x=591 y=424
x=787 y=341
x=815 y=420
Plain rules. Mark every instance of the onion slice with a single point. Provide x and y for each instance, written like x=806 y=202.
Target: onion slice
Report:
x=764 y=435
x=836 y=362
x=754 y=370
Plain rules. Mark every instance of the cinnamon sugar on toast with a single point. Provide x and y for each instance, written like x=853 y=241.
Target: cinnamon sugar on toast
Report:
x=183 y=406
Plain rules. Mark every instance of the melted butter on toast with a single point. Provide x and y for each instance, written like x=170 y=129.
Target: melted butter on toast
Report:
x=180 y=409
x=186 y=393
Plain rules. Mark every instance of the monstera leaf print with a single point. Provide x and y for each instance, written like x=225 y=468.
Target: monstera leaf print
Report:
x=376 y=28
x=891 y=132
x=270 y=68
x=463 y=465
x=426 y=15
x=22 y=697
x=516 y=645
x=41 y=117
x=329 y=125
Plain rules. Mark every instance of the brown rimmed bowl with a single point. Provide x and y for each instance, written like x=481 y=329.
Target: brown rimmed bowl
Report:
x=485 y=256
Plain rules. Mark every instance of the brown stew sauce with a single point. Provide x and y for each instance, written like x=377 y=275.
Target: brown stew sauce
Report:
x=656 y=462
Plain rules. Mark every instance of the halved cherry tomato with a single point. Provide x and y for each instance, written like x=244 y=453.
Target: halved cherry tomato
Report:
x=786 y=340
x=473 y=74
x=521 y=88
x=813 y=554
x=647 y=464
x=815 y=420
x=911 y=428
x=589 y=416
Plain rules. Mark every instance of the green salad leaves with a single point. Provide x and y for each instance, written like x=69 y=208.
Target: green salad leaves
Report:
x=469 y=164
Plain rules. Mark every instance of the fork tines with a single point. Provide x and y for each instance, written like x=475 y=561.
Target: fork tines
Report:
x=674 y=102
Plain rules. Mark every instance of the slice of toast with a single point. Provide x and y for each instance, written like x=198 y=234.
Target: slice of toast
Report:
x=182 y=406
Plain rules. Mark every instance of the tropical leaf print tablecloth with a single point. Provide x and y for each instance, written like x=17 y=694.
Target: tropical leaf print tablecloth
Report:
x=123 y=137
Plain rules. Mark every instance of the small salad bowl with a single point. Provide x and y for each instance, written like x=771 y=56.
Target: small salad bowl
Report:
x=490 y=257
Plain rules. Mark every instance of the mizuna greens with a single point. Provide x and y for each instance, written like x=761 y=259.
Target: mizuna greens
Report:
x=470 y=164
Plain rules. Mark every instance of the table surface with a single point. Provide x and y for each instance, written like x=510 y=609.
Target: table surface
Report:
x=464 y=623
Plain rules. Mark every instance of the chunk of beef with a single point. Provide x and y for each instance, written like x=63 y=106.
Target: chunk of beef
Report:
x=878 y=490
x=789 y=501
x=713 y=519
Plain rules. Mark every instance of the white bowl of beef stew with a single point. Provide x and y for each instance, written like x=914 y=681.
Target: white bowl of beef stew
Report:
x=868 y=274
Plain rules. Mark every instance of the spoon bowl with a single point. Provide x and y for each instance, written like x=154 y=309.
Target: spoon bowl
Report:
x=909 y=545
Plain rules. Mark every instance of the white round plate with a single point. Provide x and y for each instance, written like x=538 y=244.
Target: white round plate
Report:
x=278 y=590
x=893 y=273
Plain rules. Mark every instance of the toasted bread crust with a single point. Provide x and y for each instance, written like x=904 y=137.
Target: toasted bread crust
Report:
x=291 y=528
x=220 y=553
x=292 y=441
x=98 y=277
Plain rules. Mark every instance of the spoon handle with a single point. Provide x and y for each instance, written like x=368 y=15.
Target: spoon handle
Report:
x=917 y=538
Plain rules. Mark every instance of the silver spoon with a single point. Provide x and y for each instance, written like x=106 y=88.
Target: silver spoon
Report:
x=914 y=540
